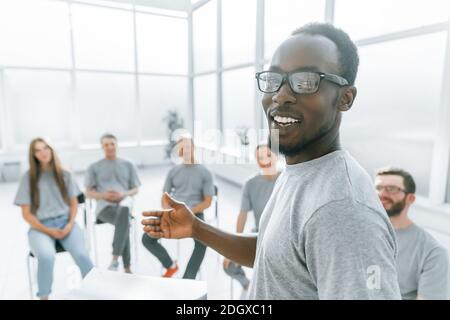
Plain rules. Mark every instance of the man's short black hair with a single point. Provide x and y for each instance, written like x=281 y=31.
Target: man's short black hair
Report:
x=408 y=180
x=348 y=52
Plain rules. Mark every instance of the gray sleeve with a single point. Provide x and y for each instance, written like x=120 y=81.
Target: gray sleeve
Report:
x=434 y=279
x=208 y=184
x=72 y=187
x=350 y=253
x=168 y=182
x=246 y=204
x=134 y=178
x=23 y=195
x=90 y=180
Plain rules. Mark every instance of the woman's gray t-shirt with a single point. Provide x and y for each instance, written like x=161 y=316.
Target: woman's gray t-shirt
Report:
x=51 y=202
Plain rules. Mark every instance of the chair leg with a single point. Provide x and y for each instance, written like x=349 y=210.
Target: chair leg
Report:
x=30 y=275
x=231 y=289
x=94 y=240
x=135 y=240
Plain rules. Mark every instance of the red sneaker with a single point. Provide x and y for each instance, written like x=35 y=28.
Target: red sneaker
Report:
x=170 y=271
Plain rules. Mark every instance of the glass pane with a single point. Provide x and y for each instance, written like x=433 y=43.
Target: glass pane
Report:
x=397 y=106
x=204 y=21
x=103 y=38
x=109 y=3
x=238 y=103
x=106 y=103
x=170 y=34
x=205 y=99
x=2 y=112
x=34 y=33
x=362 y=19
x=284 y=16
x=154 y=105
x=238 y=31
x=448 y=189
x=39 y=103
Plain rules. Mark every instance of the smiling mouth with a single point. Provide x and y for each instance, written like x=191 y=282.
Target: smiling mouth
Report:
x=284 y=121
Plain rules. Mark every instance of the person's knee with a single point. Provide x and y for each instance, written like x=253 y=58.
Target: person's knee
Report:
x=46 y=258
x=147 y=240
x=124 y=214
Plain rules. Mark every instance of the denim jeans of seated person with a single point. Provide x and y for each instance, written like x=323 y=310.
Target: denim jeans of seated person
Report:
x=43 y=248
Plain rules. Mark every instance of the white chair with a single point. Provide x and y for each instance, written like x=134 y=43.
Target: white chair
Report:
x=91 y=222
x=214 y=219
x=58 y=247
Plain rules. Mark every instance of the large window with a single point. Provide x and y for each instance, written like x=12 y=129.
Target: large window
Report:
x=34 y=33
x=159 y=95
x=284 y=16
x=39 y=104
x=448 y=189
x=238 y=42
x=362 y=19
x=70 y=71
x=397 y=105
x=106 y=103
x=238 y=104
x=2 y=113
x=205 y=97
x=204 y=21
x=162 y=44
x=103 y=38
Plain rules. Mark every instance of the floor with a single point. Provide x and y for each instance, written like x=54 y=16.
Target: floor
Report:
x=14 y=247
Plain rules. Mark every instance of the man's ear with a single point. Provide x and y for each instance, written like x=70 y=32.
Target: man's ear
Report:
x=348 y=95
x=410 y=198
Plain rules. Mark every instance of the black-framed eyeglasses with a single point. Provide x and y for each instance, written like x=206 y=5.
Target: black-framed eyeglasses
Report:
x=301 y=82
x=390 y=189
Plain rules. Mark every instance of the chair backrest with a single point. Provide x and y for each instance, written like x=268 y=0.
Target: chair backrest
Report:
x=58 y=247
x=81 y=198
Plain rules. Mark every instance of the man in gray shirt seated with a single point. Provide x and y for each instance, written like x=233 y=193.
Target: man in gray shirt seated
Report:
x=193 y=184
x=113 y=182
x=255 y=195
x=422 y=263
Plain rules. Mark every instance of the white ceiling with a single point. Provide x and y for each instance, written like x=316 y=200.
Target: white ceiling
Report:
x=180 y=5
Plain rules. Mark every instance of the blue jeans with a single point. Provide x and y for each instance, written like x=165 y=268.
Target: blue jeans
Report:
x=43 y=248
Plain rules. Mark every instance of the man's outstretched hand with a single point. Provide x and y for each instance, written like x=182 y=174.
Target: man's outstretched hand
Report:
x=173 y=223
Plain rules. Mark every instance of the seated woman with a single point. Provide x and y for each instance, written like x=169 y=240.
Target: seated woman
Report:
x=47 y=195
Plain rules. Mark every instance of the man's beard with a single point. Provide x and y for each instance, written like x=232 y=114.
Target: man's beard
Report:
x=396 y=208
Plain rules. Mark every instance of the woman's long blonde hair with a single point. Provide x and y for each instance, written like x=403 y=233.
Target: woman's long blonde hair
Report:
x=36 y=171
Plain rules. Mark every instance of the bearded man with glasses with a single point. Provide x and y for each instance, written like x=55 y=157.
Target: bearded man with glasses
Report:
x=422 y=263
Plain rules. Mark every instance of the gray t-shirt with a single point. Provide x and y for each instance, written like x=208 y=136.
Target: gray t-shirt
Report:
x=422 y=265
x=257 y=191
x=325 y=235
x=51 y=202
x=189 y=183
x=119 y=175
